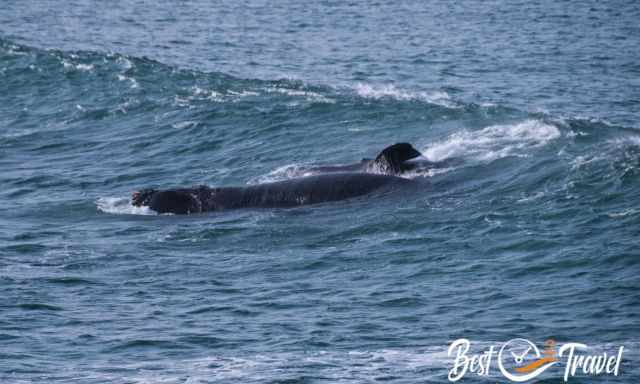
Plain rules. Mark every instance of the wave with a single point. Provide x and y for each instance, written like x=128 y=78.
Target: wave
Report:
x=144 y=77
x=390 y=91
x=145 y=74
x=348 y=366
x=487 y=144
x=493 y=142
x=214 y=111
x=429 y=364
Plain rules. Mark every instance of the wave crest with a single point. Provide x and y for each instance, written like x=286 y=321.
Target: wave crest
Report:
x=390 y=91
x=493 y=142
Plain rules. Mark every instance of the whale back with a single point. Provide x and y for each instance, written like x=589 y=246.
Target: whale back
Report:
x=314 y=189
x=287 y=193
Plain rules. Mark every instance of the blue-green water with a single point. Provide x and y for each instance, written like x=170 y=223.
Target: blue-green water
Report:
x=531 y=232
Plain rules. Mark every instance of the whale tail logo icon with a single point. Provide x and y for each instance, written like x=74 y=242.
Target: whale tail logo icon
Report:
x=550 y=357
x=524 y=361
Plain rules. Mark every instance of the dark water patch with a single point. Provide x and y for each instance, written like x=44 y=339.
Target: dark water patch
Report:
x=8 y=337
x=26 y=248
x=147 y=344
x=404 y=302
x=38 y=307
x=209 y=309
x=206 y=341
x=70 y=281
x=36 y=235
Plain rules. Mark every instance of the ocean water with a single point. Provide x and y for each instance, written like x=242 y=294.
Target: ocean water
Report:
x=530 y=231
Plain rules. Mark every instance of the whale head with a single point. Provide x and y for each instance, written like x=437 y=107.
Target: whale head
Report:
x=392 y=158
x=175 y=201
x=142 y=197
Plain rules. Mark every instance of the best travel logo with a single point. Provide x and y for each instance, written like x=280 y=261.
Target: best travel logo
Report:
x=520 y=360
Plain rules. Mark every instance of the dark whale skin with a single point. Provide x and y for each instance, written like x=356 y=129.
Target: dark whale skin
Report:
x=288 y=193
x=391 y=161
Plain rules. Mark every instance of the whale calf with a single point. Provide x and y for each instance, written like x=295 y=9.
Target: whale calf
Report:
x=288 y=193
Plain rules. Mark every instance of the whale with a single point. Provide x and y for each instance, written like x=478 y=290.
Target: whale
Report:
x=393 y=160
x=281 y=194
x=332 y=183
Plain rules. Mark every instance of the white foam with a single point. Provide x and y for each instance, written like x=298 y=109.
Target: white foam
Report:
x=124 y=62
x=14 y=50
x=493 y=142
x=185 y=124
x=308 y=95
x=609 y=151
x=198 y=93
x=377 y=92
x=531 y=197
x=625 y=141
x=581 y=161
x=79 y=67
x=121 y=206
x=375 y=168
x=134 y=82
x=591 y=119
x=428 y=172
x=356 y=366
x=123 y=107
x=572 y=134
x=285 y=172
x=181 y=101
x=84 y=67
x=243 y=93
x=339 y=367
x=18 y=133
x=206 y=94
x=626 y=212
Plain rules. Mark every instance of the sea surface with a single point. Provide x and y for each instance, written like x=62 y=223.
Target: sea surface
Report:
x=530 y=231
